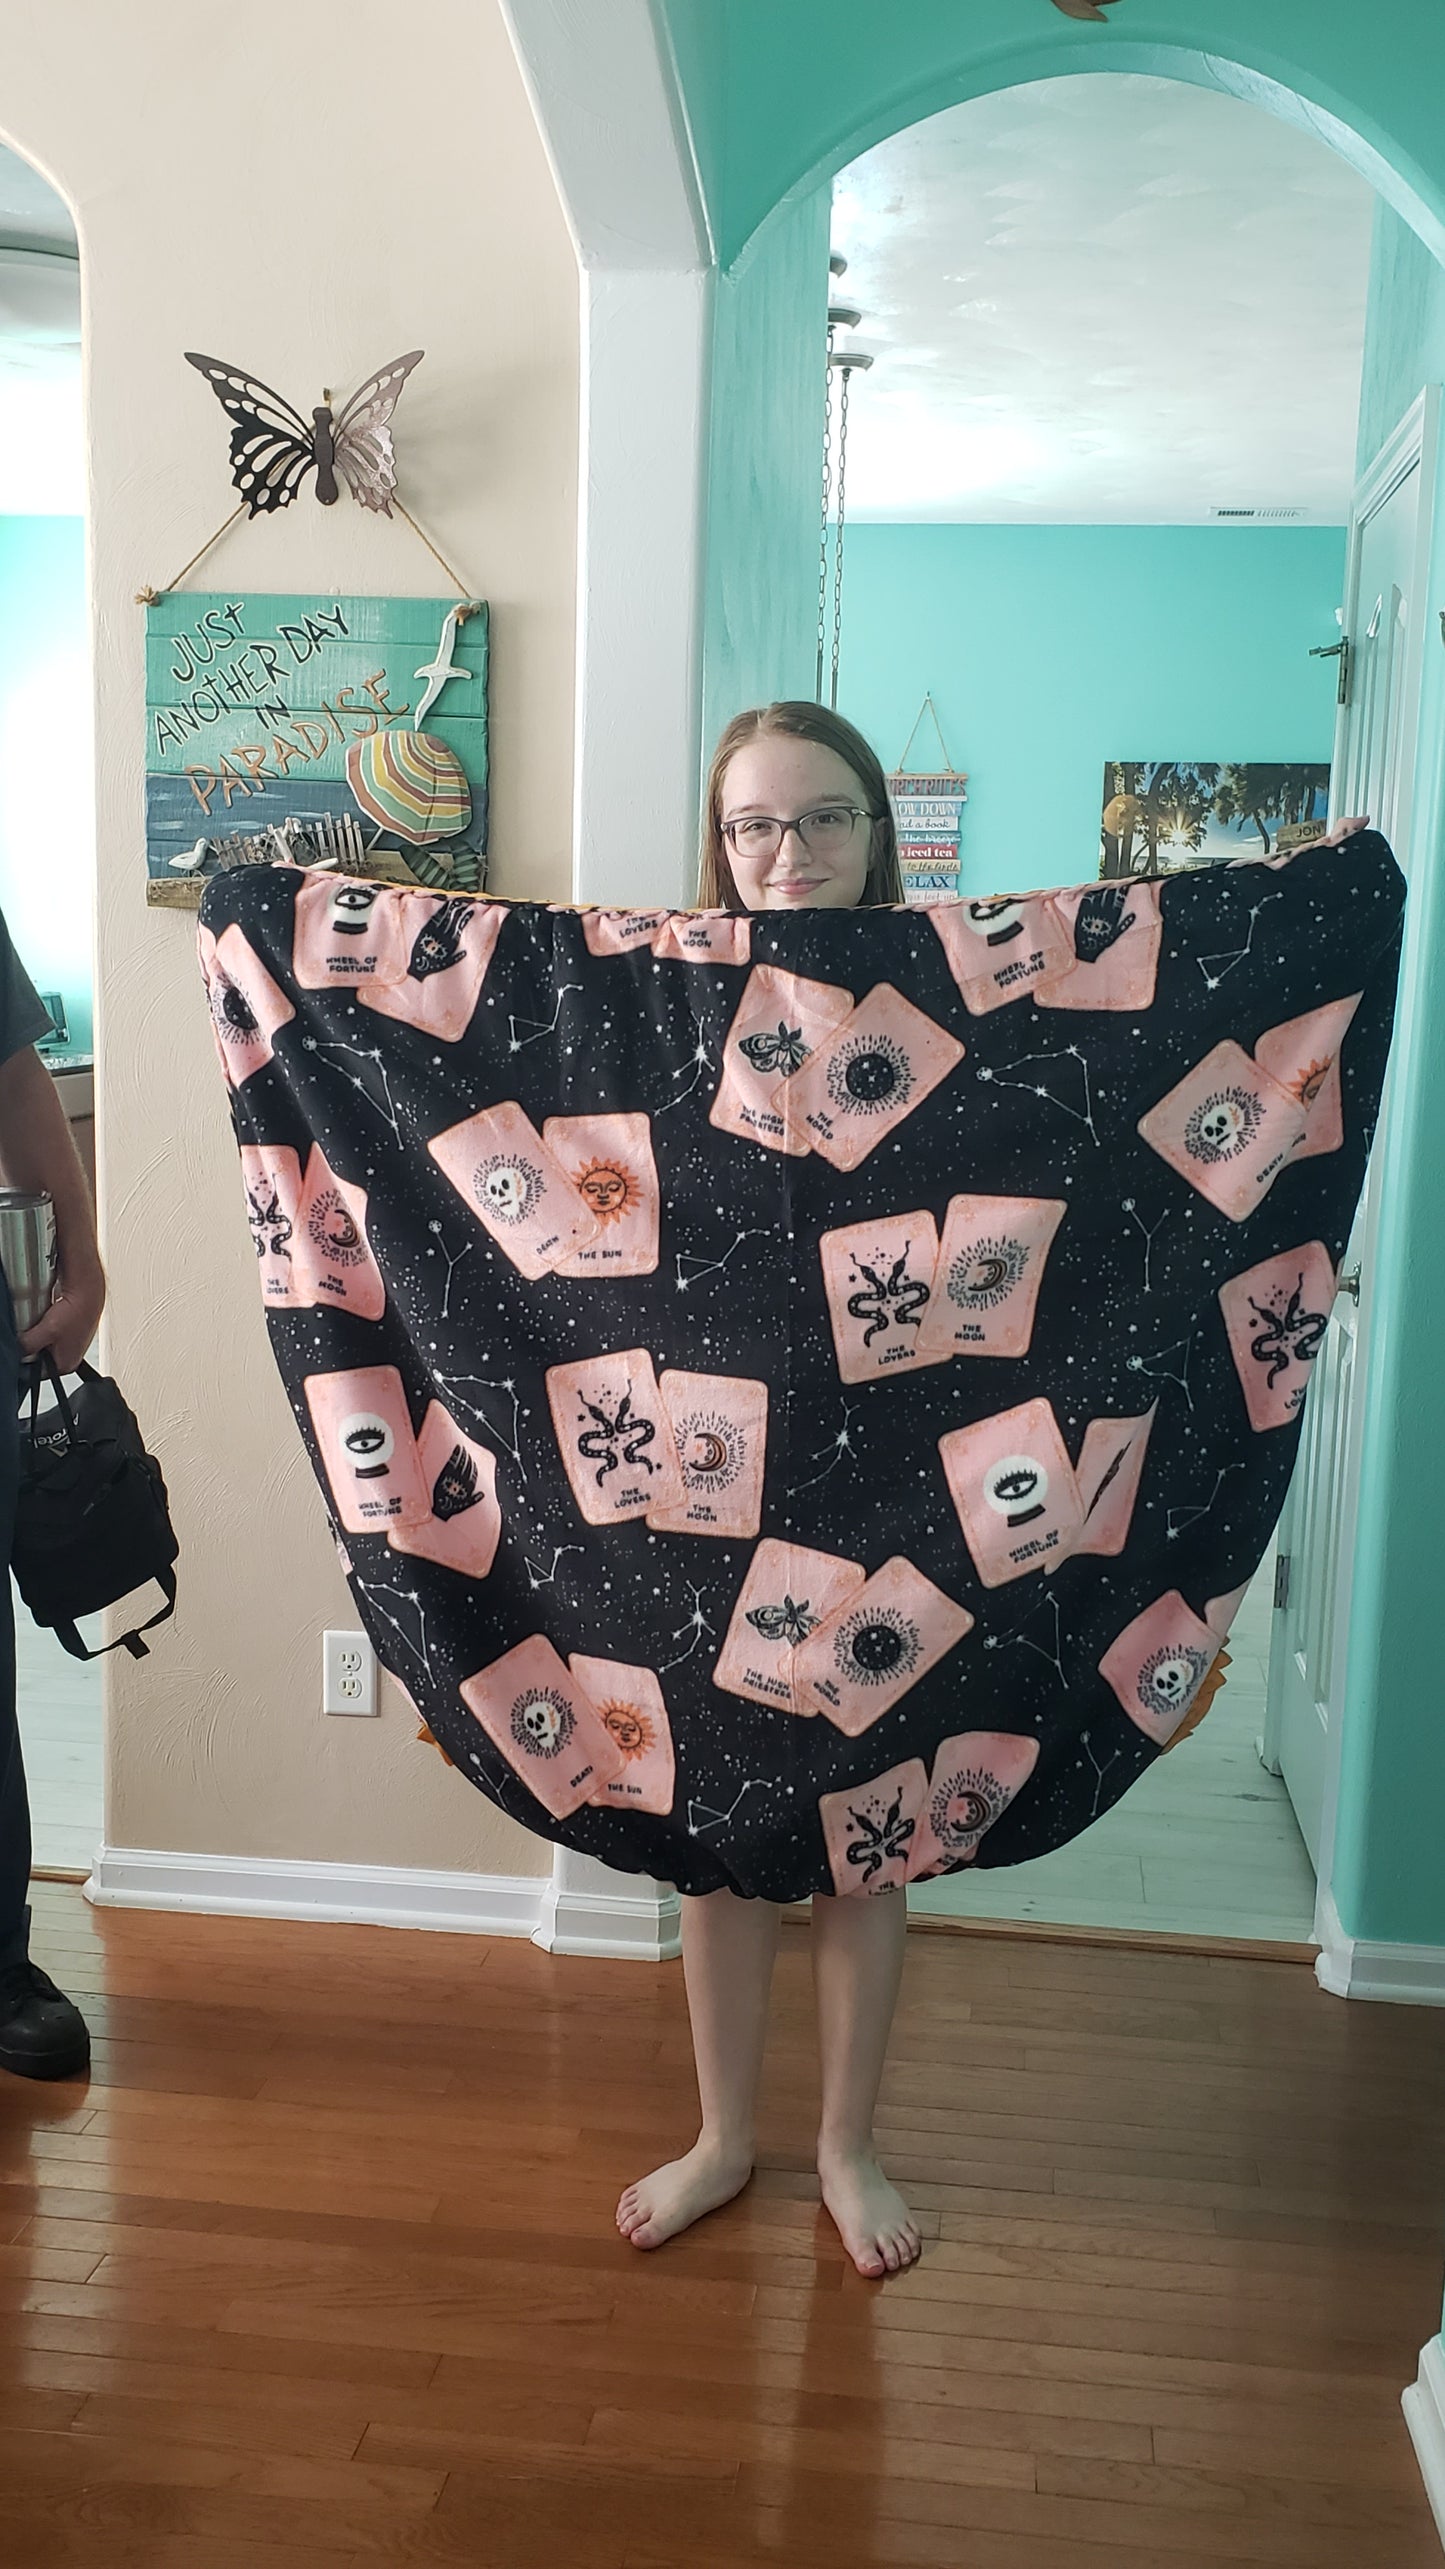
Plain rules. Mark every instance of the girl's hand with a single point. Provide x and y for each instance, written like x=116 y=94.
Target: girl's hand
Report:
x=65 y=1331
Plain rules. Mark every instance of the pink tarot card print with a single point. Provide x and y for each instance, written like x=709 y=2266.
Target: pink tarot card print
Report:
x=1110 y=1468
x=614 y=1436
x=882 y=1062
x=1158 y=1664
x=545 y=1724
x=787 y=1593
x=465 y=1524
x=334 y=1263
x=879 y=1281
x=500 y=1166
x=874 y=1646
x=720 y=1435
x=1275 y=1317
x=704 y=936
x=1013 y=1487
x=609 y=1161
x=247 y=1007
x=446 y=945
x=363 y=1427
x=869 y=1830
x=1002 y=949
x=271 y=1176
x=1114 y=931
x=629 y=1704
x=975 y=1776
x=347 y=930
x=1304 y=1056
x=781 y=1020
x=621 y=931
x=1228 y=1129
x=990 y=1266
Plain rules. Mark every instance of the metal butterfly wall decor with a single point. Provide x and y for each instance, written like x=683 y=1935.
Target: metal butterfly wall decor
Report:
x=273 y=448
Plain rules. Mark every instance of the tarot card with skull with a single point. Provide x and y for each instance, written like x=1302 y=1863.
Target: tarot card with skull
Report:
x=505 y=1174
x=1228 y=1129
x=545 y=1724
x=1158 y=1663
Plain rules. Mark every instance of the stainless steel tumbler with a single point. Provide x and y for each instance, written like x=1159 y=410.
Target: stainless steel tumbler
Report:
x=27 y=1251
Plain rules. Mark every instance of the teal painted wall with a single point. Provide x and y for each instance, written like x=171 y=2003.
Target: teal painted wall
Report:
x=47 y=829
x=770 y=321
x=1404 y=329
x=1048 y=649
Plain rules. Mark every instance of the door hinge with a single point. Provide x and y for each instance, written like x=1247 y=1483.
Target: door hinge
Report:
x=1281 y=1580
x=1337 y=651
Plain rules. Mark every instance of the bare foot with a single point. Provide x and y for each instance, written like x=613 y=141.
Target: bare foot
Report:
x=657 y=2207
x=874 y=2222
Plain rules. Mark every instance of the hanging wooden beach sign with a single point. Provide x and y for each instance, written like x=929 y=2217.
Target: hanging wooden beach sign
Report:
x=257 y=709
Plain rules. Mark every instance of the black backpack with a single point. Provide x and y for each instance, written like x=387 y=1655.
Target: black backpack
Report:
x=91 y=1519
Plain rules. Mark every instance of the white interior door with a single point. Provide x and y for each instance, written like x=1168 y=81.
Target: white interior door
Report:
x=1384 y=632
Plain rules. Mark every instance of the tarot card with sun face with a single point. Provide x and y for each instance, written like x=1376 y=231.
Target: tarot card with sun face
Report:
x=781 y=1020
x=1158 y=1664
x=862 y=1081
x=609 y=1161
x=247 y=1007
x=879 y=1280
x=704 y=936
x=347 y=931
x=363 y=1427
x=614 y=1436
x=1228 y=1128
x=272 y=1180
x=502 y=1168
x=990 y=1266
x=465 y=1524
x=446 y=947
x=1304 y=1056
x=787 y=1593
x=720 y=1432
x=1114 y=931
x=334 y=1264
x=1002 y=949
x=1276 y=1315
x=1013 y=1486
x=620 y=931
x=975 y=1777
x=1110 y=1467
x=876 y=1645
x=869 y=1831
x=629 y=1704
x=545 y=1725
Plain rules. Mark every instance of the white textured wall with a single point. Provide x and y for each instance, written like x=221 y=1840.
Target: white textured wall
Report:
x=305 y=191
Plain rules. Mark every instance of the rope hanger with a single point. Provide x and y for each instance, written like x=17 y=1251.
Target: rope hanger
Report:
x=928 y=710
x=149 y=597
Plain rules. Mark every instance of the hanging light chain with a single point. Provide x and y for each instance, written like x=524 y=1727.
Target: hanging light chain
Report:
x=827 y=500
x=845 y=371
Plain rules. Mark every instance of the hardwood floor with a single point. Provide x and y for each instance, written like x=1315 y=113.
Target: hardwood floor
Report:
x=318 y=2271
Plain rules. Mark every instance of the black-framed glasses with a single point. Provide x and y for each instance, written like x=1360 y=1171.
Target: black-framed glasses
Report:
x=825 y=831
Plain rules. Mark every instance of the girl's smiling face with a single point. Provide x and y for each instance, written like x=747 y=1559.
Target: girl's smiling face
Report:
x=777 y=777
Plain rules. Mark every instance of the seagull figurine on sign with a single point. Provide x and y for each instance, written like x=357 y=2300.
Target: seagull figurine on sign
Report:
x=273 y=449
x=445 y=664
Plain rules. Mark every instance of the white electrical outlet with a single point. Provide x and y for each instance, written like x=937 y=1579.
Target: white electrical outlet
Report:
x=348 y=1673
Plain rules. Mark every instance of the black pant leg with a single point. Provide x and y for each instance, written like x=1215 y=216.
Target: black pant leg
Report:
x=14 y=1801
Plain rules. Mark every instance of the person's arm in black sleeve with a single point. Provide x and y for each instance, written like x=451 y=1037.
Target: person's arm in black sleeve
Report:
x=37 y=1152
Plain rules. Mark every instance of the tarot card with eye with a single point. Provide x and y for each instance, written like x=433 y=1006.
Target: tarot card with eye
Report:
x=879 y=1281
x=975 y=1776
x=248 y=1008
x=1002 y=949
x=1275 y=1317
x=787 y=1593
x=363 y=1427
x=990 y=1266
x=609 y=1161
x=614 y=1436
x=876 y=1645
x=465 y=1524
x=446 y=945
x=629 y=1704
x=1013 y=1486
x=348 y=931
x=781 y=1020
x=869 y=1830
x=1114 y=931
x=545 y=1725
x=720 y=1433
x=502 y=1169
x=861 y=1083
x=1228 y=1128
x=1158 y=1663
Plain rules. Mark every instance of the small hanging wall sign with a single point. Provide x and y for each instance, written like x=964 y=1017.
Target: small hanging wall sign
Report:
x=928 y=817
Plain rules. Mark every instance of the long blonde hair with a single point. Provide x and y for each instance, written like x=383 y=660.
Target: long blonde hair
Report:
x=716 y=889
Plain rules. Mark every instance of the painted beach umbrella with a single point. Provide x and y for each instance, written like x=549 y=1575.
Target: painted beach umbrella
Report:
x=410 y=782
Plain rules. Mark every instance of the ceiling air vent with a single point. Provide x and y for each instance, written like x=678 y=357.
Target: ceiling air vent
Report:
x=1261 y=516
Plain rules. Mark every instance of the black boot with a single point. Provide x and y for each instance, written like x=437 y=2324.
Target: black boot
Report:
x=42 y=2033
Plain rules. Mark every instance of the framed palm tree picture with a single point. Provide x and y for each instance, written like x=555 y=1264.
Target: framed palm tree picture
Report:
x=1163 y=814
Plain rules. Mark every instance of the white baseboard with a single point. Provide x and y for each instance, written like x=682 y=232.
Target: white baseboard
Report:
x=1357 y=1967
x=1424 y=2407
x=576 y=1919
